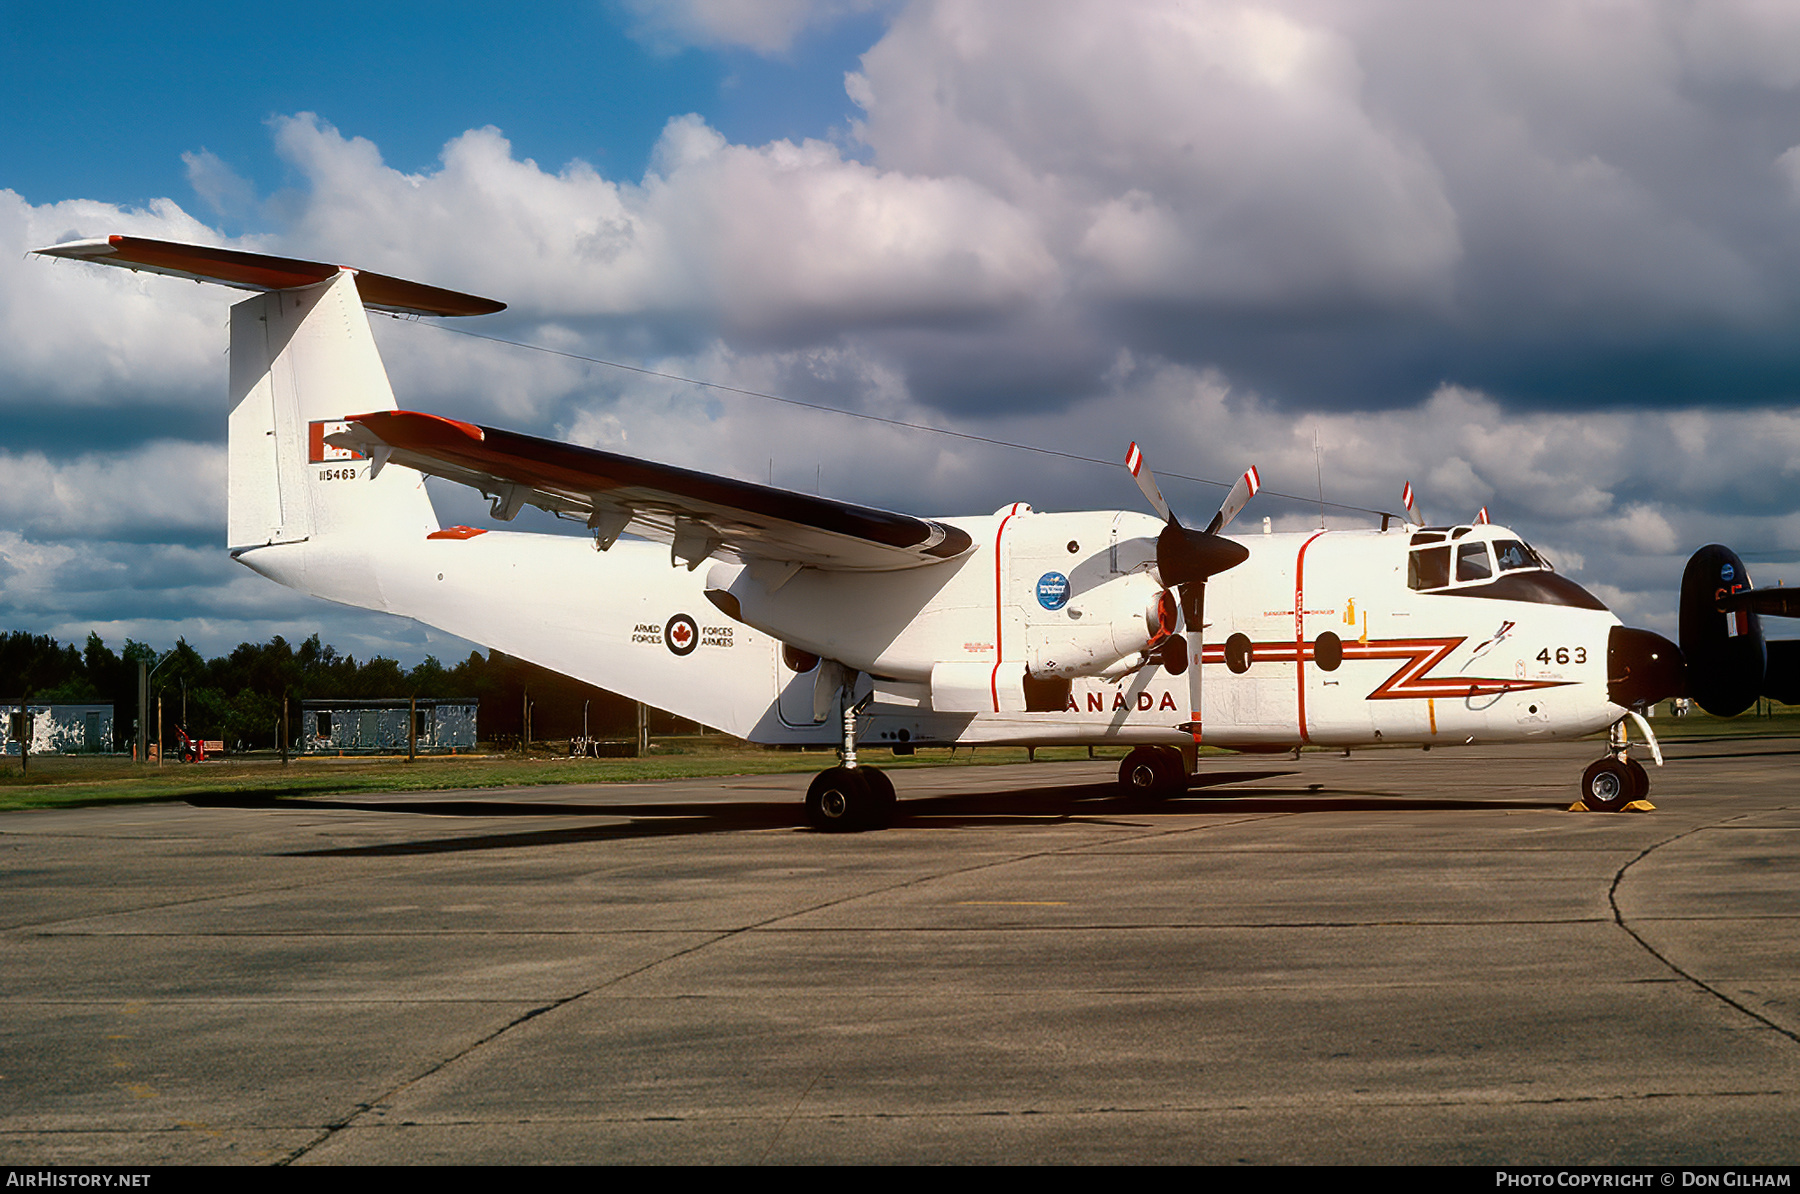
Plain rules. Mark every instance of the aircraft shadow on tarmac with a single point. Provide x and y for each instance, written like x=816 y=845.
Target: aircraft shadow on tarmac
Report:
x=962 y=810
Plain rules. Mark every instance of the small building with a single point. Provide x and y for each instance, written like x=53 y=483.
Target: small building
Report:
x=58 y=729
x=379 y=727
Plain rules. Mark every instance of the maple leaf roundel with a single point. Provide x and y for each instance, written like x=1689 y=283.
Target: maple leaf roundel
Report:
x=681 y=634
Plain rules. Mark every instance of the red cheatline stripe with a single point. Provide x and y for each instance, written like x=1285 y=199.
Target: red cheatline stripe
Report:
x=999 y=616
x=1300 y=633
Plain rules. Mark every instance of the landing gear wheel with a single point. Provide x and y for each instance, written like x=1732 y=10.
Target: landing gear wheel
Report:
x=881 y=808
x=1607 y=786
x=839 y=800
x=1640 y=780
x=1151 y=774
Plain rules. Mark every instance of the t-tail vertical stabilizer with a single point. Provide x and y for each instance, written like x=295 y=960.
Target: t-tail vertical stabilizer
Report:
x=303 y=361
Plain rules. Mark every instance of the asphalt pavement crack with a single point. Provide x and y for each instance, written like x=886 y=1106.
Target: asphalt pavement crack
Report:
x=1612 y=897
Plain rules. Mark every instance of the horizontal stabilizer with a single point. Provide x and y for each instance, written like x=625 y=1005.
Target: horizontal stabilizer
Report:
x=256 y=271
x=1781 y=680
x=1770 y=603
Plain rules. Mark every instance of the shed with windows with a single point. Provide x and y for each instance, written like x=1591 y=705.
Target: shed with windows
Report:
x=438 y=726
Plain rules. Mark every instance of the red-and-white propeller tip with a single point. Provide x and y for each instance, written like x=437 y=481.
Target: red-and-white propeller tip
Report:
x=1412 y=508
x=1146 y=482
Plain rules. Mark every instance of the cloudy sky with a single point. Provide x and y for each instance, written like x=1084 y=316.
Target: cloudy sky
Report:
x=1543 y=258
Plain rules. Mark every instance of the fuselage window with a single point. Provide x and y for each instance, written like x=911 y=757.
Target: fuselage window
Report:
x=1472 y=562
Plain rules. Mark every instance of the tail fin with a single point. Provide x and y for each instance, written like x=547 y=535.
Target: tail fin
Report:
x=302 y=361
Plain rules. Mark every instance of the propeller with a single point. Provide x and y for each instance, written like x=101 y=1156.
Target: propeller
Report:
x=1412 y=506
x=1185 y=556
x=1185 y=559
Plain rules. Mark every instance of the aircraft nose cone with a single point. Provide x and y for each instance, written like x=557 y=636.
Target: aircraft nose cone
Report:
x=1642 y=667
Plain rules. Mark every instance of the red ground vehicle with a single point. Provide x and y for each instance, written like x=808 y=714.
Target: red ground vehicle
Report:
x=193 y=750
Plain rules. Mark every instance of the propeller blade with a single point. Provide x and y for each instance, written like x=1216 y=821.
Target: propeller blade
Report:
x=1412 y=507
x=1242 y=492
x=1146 y=482
x=1481 y=517
x=1193 y=621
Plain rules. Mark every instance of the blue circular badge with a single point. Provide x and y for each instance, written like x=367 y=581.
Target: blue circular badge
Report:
x=1053 y=590
x=1725 y=573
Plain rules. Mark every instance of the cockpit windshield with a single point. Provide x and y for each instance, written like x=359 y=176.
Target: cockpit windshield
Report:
x=1444 y=557
x=1514 y=555
x=1487 y=561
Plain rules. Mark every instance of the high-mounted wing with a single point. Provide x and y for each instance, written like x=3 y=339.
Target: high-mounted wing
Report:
x=256 y=271
x=701 y=515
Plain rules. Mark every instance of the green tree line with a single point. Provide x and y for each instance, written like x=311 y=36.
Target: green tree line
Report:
x=238 y=697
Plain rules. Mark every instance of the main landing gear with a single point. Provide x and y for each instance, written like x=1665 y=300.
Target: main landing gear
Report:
x=1611 y=783
x=1152 y=774
x=849 y=797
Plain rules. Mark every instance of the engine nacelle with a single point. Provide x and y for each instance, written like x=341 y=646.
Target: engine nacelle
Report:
x=1059 y=595
x=1104 y=630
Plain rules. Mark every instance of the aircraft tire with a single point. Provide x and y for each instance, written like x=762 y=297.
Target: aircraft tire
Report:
x=881 y=809
x=1640 y=780
x=839 y=801
x=1151 y=774
x=1607 y=786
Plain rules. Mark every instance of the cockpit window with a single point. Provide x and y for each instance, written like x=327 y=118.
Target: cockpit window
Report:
x=1472 y=562
x=1488 y=563
x=1428 y=569
x=1446 y=557
x=1514 y=555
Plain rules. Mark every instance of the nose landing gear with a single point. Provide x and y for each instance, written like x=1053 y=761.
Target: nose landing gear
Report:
x=1618 y=780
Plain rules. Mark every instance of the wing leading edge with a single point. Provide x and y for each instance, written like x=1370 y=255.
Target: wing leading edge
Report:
x=701 y=515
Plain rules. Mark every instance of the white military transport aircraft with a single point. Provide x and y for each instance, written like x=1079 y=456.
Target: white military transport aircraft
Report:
x=784 y=618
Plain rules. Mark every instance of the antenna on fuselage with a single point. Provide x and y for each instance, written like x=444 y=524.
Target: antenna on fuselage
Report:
x=1319 y=471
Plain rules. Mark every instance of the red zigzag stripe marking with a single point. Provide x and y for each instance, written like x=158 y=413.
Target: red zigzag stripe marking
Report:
x=1411 y=681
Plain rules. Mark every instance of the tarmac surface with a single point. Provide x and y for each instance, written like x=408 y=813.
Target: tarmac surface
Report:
x=1395 y=957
